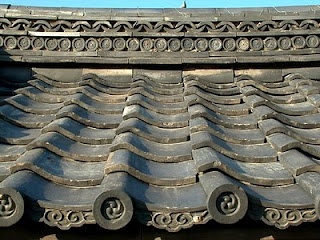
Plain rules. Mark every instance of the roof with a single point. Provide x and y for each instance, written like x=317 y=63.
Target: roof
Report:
x=140 y=113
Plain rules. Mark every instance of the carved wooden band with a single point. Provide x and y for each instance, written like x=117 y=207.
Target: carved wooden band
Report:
x=227 y=44
x=113 y=209
x=227 y=204
x=11 y=207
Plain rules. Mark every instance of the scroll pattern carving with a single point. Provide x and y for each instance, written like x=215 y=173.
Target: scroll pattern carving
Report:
x=173 y=222
x=156 y=27
x=283 y=218
x=7 y=206
x=65 y=219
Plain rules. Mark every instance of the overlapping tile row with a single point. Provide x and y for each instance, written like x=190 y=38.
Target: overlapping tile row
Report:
x=287 y=111
x=256 y=152
x=174 y=148
x=68 y=128
x=153 y=148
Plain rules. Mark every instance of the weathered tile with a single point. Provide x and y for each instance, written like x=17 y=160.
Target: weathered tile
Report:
x=172 y=152
x=31 y=106
x=79 y=132
x=13 y=134
x=263 y=174
x=298 y=163
x=23 y=119
x=66 y=147
x=89 y=118
x=233 y=135
x=156 y=119
x=61 y=170
x=153 y=133
x=162 y=174
x=255 y=153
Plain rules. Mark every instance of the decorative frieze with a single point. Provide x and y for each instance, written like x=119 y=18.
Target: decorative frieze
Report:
x=283 y=218
x=65 y=219
x=141 y=26
x=228 y=44
x=173 y=222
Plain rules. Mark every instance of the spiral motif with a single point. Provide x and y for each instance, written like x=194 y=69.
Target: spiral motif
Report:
x=256 y=44
x=7 y=205
x=160 y=44
x=229 y=44
x=227 y=203
x=133 y=44
x=270 y=43
x=112 y=208
x=74 y=217
x=202 y=44
x=51 y=44
x=37 y=43
x=312 y=41
x=284 y=43
x=10 y=42
x=78 y=44
x=299 y=42
x=92 y=44
x=65 y=219
x=215 y=44
x=187 y=44
x=243 y=44
x=162 y=219
x=119 y=44
x=24 y=43
x=64 y=44
x=55 y=216
x=106 y=44
x=184 y=218
x=174 y=44
x=146 y=44
x=283 y=218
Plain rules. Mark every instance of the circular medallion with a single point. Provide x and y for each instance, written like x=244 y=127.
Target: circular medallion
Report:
x=24 y=43
x=160 y=44
x=119 y=44
x=229 y=44
x=227 y=204
x=256 y=44
x=133 y=44
x=215 y=44
x=92 y=44
x=146 y=44
x=11 y=207
x=243 y=44
x=113 y=209
x=174 y=44
x=106 y=44
x=78 y=44
x=10 y=42
x=187 y=44
x=51 y=44
x=312 y=41
x=37 y=43
x=202 y=44
x=299 y=42
x=64 y=44
x=270 y=43
x=284 y=43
